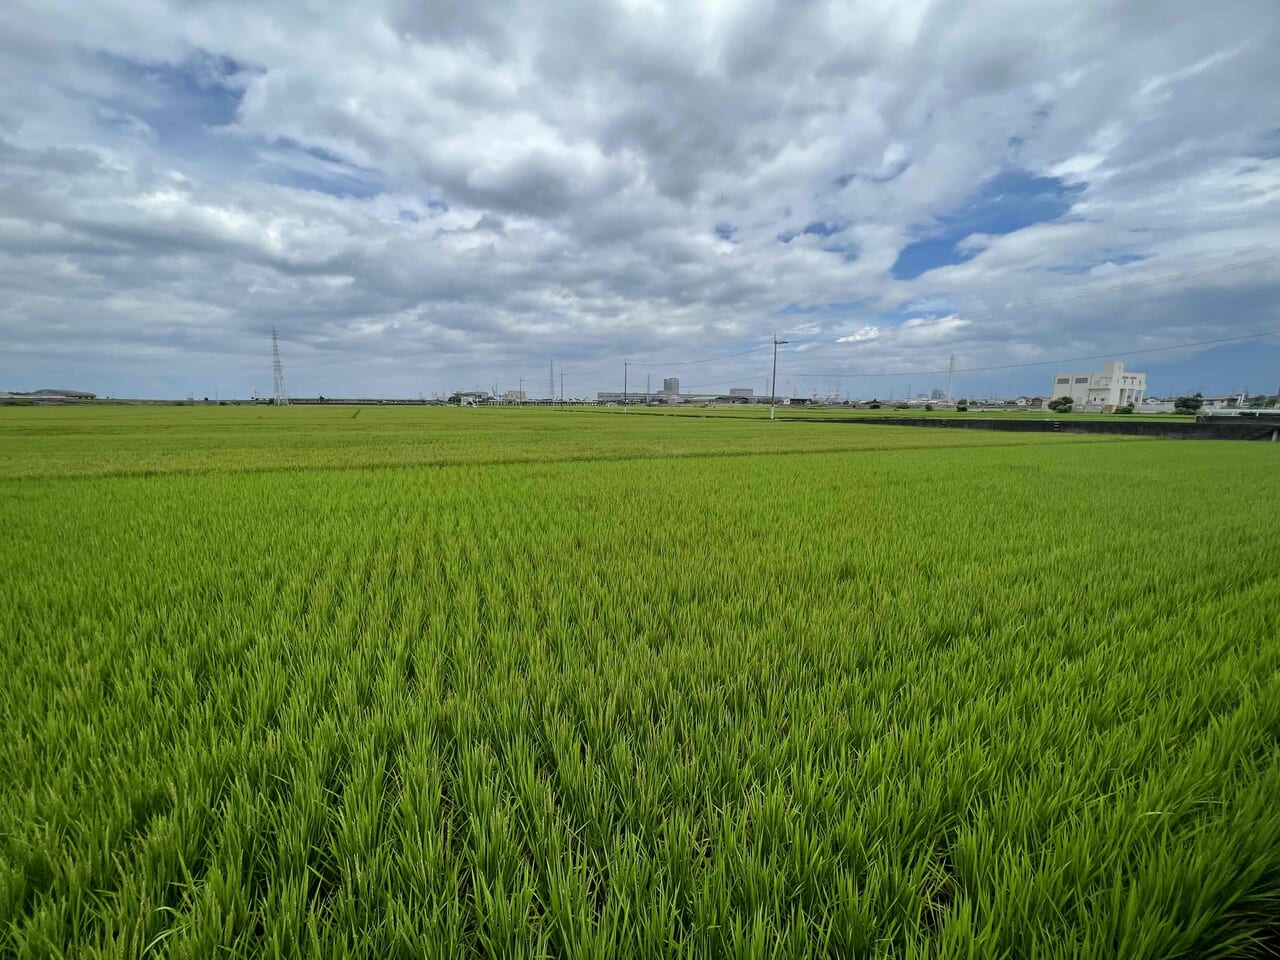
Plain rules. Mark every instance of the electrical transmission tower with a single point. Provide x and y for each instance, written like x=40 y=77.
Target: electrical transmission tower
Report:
x=282 y=399
x=551 y=381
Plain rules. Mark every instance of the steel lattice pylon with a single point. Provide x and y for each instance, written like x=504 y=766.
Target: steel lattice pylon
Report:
x=282 y=398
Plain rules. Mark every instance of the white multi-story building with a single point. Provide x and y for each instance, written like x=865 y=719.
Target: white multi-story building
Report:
x=1111 y=387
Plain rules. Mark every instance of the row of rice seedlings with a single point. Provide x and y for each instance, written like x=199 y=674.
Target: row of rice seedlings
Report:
x=551 y=712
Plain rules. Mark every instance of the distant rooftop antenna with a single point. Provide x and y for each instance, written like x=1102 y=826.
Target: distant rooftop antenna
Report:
x=282 y=399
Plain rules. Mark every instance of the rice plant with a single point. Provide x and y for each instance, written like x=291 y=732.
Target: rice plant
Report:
x=691 y=688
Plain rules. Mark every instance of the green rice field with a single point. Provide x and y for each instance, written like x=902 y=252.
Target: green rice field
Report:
x=424 y=682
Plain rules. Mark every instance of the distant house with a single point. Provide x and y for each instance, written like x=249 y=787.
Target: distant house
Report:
x=1222 y=403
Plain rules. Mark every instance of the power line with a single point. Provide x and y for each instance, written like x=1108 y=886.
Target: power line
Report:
x=1046 y=363
x=685 y=363
x=734 y=382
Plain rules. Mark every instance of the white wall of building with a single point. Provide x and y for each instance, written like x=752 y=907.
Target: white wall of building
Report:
x=1111 y=386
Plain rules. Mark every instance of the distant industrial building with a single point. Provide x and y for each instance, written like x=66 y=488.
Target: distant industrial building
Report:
x=1110 y=387
x=671 y=386
x=639 y=397
x=515 y=396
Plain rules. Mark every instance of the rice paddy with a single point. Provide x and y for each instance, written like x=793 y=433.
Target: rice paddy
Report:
x=513 y=683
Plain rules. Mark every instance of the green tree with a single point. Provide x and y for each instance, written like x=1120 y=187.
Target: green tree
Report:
x=1061 y=405
x=1190 y=404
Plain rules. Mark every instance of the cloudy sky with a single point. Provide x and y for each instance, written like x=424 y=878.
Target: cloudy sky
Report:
x=427 y=196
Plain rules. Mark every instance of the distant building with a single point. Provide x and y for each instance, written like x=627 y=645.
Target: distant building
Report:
x=937 y=394
x=469 y=397
x=1110 y=387
x=515 y=396
x=744 y=393
x=671 y=385
x=1222 y=402
x=55 y=395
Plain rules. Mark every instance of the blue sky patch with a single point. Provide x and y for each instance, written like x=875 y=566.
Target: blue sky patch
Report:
x=835 y=306
x=1009 y=201
x=335 y=184
x=1270 y=146
x=179 y=100
x=293 y=165
x=848 y=251
x=822 y=228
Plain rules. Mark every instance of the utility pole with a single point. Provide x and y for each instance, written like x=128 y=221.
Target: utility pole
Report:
x=951 y=369
x=551 y=381
x=626 y=366
x=562 y=385
x=773 y=384
x=520 y=393
x=646 y=389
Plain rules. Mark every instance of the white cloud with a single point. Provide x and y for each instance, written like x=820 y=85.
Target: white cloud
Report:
x=862 y=334
x=463 y=190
